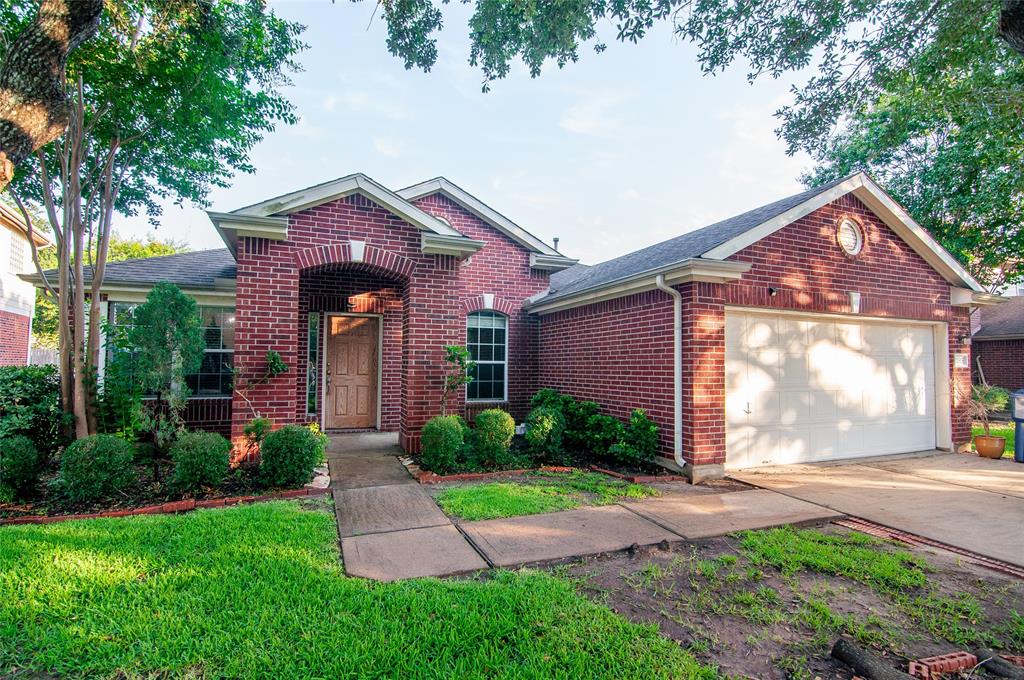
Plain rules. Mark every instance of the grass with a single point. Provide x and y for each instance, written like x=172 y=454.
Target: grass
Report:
x=537 y=493
x=257 y=591
x=1006 y=431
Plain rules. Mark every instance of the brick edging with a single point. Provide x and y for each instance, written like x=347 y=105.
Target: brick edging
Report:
x=172 y=507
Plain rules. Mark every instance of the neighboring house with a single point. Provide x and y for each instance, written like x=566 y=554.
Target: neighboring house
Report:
x=826 y=325
x=17 y=297
x=999 y=344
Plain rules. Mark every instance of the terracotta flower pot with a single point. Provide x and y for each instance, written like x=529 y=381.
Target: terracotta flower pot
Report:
x=988 y=446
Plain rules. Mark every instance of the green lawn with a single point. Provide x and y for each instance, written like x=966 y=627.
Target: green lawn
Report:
x=1006 y=431
x=257 y=591
x=536 y=493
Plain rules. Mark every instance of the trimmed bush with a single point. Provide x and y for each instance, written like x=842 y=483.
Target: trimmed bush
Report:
x=492 y=437
x=441 y=441
x=549 y=398
x=30 y=406
x=288 y=455
x=639 y=442
x=200 y=459
x=544 y=428
x=95 y=467
x=20 y=464
x=602 y=433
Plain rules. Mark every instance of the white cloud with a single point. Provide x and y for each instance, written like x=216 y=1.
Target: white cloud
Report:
x=389 y=146
x=363 y=102
x=594 y=115
x=629 y=195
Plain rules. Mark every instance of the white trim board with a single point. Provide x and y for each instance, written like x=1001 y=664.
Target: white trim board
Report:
x=890 y=212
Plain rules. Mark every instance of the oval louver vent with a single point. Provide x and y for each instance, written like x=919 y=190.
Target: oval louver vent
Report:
x=850 y=238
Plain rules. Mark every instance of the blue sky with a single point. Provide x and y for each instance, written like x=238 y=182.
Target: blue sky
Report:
x=623 y=149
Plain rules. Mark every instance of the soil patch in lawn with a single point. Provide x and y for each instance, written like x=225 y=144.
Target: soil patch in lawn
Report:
x=769 y=604
x=534 y=493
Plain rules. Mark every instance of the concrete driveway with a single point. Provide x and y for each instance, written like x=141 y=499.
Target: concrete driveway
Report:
x=969 y=502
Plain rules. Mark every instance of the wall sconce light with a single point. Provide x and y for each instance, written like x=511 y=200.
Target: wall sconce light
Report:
x=965 y=339
x=773 y=291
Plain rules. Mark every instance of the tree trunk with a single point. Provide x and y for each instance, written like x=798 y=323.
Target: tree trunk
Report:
x=997 y=665
x=864 y=663
x=1011 y=24
x=33 y=104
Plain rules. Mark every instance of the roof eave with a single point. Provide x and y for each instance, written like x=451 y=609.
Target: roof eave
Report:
x=551 y=263
x=686 y=271
x=964 y=297
x=232 y=225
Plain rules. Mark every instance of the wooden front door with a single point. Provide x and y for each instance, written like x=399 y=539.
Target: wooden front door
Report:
x=351 y=380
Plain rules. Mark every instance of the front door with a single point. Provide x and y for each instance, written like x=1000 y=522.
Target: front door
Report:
x=351 y=380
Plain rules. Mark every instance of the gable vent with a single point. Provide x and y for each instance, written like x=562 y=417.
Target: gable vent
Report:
x=850 y=237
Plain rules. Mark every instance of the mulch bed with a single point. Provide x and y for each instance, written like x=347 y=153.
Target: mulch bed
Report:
x=427 y=477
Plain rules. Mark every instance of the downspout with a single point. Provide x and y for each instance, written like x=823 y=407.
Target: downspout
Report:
x=677 y=367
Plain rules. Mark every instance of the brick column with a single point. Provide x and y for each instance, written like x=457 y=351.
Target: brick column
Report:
x=960 y=379
x=266 y=319
x=703 y=372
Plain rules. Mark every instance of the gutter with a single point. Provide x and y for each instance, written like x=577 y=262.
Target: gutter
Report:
x=677 y=368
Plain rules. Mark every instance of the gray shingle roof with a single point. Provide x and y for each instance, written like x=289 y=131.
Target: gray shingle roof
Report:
x=188 y=270
x=687 y=246
x=1006 y=319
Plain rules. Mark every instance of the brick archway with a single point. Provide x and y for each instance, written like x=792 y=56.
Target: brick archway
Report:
x=355 y=252
x=488 y=302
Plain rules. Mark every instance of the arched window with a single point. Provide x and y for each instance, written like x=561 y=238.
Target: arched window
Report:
x=487 y=341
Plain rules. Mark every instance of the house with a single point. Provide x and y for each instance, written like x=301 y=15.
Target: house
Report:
x=17 y=297
x=825 y=325
x=999 y=344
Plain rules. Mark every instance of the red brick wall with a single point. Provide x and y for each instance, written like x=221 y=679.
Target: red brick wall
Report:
x=210 y=414
x=279 y=281
x=1002 y=361
x=14 y=337
x=586 y=351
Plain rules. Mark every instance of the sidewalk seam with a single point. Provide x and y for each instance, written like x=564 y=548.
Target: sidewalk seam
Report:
x=472 y=544
x=654 y=522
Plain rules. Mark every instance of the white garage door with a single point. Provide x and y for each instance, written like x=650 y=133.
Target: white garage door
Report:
x=804 y=389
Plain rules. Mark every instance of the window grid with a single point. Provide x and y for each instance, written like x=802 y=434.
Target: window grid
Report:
x=17 y=254
x=487 y=342
x=312 y=360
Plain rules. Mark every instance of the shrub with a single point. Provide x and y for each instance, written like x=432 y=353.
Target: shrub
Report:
x=200 y=459
x=442 y=442
x=549 y=398
x=577 y=425
x=639 y=442
x=255 y=431
x=602 y=433
x=544 y=428
x=492 y=437
x=289 y=455
x=95 y=467
x=19 y=464
x=30 y=406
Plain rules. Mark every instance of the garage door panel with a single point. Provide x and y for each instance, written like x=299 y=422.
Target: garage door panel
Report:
x=802 y=389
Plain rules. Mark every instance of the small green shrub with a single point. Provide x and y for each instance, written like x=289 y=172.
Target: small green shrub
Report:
x=20 y=464
x=255 y=431
x=442 y=442
x=200 y=459
x=602 y=433
x=549 y=398
x=95 y=467
x=288 y=455
x=30 y=406
x=544 y=428
x=492 y=437
x=639 y=443
x=577 y=425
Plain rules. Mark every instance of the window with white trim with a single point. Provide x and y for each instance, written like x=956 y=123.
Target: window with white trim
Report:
x=487 y=342
x=312 y=360
x=17 y=254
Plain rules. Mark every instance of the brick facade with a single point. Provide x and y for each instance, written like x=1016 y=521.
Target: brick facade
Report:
x=619 y=352
x=1002 y=361
x=15 y=332
x=423 y=301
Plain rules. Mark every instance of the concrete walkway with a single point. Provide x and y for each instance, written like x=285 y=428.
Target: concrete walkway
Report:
x=391 y=528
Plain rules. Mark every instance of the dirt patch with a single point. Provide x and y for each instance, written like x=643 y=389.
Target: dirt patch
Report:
x=754 y=621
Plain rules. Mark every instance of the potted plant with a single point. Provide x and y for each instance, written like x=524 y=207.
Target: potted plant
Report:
x=985 y=400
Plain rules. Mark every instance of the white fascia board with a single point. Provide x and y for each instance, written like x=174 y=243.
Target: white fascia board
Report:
x=675 y=274
x=890 y=212
x=481 y=210
x=551 y=263
x=137 y=292
x=964 y=297
x=357 y=183
x=438 y=244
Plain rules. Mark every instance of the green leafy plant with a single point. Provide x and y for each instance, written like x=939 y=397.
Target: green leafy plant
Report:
x=273 y=366
x=20 y=464
x=442 y=440
x=457 y=365
x=639 y=442
x=986 y=400
x=255 y=431
x=492 y=437
x=201 y=459
x=289 y=455
x=121 y=394
x=544 y=428
x=30 y=406
x=602 y=433
x=94 y=467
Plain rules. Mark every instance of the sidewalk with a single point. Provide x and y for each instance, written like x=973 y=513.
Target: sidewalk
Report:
x=391 y=529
